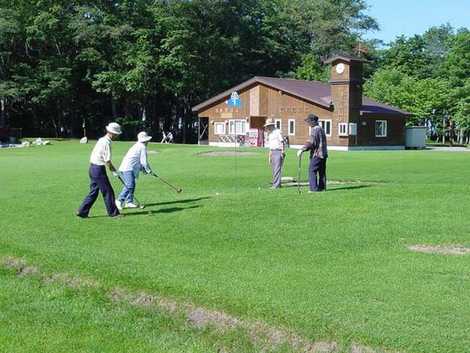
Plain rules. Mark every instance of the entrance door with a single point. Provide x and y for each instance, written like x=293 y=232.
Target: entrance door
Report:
x=257 y=123
x=203 y=131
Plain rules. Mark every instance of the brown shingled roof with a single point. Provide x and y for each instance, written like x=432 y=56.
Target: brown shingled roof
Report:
x=315 y=92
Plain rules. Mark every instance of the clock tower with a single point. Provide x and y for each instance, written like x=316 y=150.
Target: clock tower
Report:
x=346 y=90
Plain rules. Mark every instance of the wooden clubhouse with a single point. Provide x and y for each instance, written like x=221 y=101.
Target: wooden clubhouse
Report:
x=351 y=121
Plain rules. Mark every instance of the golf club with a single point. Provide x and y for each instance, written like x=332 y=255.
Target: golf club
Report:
x=178 y=190
x=141 y=206
x=298 y=172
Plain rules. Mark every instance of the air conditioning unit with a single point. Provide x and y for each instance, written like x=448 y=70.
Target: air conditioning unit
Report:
x=352 y=129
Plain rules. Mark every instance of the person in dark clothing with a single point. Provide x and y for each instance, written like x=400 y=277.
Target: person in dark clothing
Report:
x=100 y=158
x=318 y=148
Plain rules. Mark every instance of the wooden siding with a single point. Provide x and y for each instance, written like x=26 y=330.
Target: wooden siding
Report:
x=396 y=133
x=259 y=102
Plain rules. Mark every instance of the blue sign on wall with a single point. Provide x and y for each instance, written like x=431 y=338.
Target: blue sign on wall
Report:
x=234 y=101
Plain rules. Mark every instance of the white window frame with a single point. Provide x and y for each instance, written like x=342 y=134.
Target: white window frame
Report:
x=232 y=127
x=345 y=126
x=384 y=130
x=290 y=133
x=219 y=123
x=276 y=121
x=322 y=123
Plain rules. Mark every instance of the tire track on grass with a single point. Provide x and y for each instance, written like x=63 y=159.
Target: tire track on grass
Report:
x=262 y=335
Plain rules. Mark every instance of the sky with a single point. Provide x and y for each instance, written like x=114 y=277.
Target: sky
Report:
x=409 y=17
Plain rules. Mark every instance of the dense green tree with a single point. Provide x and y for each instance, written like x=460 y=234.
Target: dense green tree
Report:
x=63 y=63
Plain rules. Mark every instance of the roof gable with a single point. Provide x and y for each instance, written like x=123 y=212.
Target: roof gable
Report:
x=311 y=91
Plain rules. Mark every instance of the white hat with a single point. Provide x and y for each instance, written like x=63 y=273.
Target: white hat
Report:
x=269 y=122
x=143 y=137
x=114 y=128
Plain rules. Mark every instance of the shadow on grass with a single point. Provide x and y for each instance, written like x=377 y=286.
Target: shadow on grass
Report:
x=162 y=210
x=151 y=212
x=176 y=201
x=349 y=187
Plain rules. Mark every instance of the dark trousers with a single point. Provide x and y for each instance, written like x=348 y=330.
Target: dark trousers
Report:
x=317 y=174
x=99 y=182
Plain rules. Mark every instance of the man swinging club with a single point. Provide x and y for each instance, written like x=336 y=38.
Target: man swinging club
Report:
x=99 y=159
x=134 y=161
x=318 y=155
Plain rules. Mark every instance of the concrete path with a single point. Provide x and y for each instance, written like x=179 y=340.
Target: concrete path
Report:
x=448 y=149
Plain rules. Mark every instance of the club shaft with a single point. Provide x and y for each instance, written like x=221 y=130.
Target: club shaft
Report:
x=167 y=183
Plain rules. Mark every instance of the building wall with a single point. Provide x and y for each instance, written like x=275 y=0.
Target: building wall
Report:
x=271 y=104
x=396 y=131
x=260 y=102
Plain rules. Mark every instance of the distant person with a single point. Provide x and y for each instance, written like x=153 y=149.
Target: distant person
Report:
x=169 y=137
x=275 y=143
x=163 y=138
x=134 y=161
x=99 y=159
x=318 y=155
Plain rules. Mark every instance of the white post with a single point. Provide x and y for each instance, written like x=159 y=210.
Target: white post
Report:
x=2 y=112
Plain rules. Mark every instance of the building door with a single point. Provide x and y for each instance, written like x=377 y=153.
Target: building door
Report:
x=257 y=123
x=203 y=131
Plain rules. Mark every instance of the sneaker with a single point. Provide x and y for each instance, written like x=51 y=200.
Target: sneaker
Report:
x=131 y=205
x=118 y=205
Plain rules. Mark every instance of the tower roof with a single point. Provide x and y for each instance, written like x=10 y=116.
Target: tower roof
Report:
x=344 y=57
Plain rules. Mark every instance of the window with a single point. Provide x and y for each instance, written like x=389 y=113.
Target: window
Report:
x=381 y=128
x=326 y=126
x=219 y=128
x=343 y=129
x=291 y=131
x=278 y=124
x=237 y=127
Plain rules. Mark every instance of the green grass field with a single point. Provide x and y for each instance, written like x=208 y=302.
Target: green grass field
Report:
x=330 y=267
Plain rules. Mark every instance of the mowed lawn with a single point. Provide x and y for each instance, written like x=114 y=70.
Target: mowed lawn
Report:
x=332 y=266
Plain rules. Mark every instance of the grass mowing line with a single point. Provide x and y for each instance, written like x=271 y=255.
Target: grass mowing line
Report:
x=261 y=335
x=450 y=249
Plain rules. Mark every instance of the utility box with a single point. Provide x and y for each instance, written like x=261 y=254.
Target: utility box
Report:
x=352 y=129
x=416 y=137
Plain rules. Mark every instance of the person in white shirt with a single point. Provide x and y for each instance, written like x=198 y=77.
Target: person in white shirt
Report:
x=134 y=161
x=163 y=137
x=169 y=137
x=275 y=143
x=99 y=159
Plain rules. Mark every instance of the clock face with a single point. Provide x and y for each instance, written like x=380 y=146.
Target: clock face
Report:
x=340 y=68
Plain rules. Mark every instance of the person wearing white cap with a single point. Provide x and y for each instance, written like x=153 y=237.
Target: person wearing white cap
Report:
x=134 y=161
x=275 y=143
x=99 y=159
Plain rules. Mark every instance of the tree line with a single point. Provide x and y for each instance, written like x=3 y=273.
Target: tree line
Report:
x=429 y=76
x=70 y=65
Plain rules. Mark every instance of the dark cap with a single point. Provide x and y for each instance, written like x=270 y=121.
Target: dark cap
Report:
x=311 y=119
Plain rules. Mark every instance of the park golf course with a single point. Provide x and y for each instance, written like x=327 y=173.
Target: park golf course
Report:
x=330 y=268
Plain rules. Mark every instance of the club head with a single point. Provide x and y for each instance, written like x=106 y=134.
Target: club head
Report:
x=179 y=191
x=142 y=207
